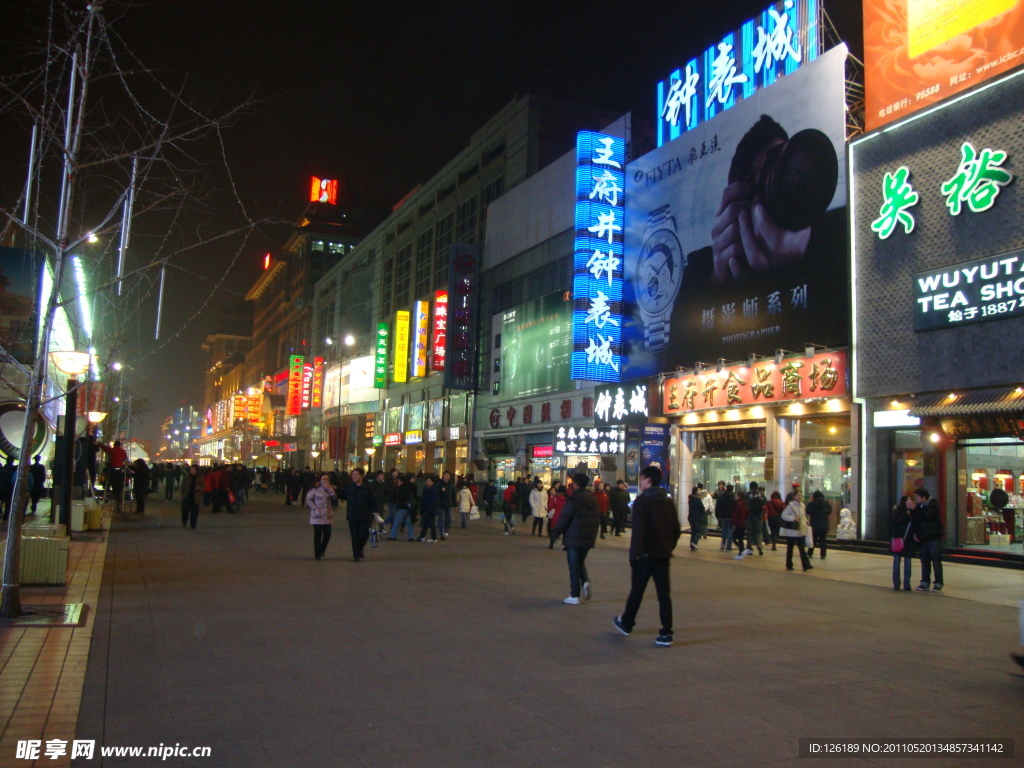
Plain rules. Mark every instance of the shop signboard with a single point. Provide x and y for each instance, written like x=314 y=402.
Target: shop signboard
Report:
x=439 y=338
x=414 y=437
x=457 y=433
x=988 y=425
x=378 y=441
x=421 y=320
x=307 y=385
x=735 y=439
x=589 y=440
x=498 y=446
x=254 y=408
x=542 y=451
x=973 y=292
x=368 y=427
x=432 y=435
x=317 y=397
x=767 y=47
x=917 y=53
x=295 y=370
x=323 y=191
x=655 y=443
x=380 y=358
x=773 y=166
x=290 y=447
x=463 y=296
x=794 y=378
x=597 y=257
x=536 y=347
x=621 y=403
x=239 y=405
x=392 y=439
x=401 y=369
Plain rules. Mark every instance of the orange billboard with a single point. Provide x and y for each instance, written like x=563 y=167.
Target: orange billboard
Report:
x=918 y=52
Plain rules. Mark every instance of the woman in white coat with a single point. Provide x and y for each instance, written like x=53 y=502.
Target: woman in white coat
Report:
x=538 y=507
x=464 y=501
x=321 y=513
x=794 y=530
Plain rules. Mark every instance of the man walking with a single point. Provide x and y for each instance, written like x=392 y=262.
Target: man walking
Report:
x=655 y=534
x=359 y=512
x=37 y=472
x=579 y=524
x=926 y=524
x=619 y=498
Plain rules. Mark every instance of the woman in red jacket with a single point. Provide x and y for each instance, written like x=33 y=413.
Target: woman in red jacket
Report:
x=774 y=509
x=739 y=522
x=603 y=503
x=556 y=500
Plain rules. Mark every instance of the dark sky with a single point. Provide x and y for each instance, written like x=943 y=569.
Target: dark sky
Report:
x=381 y=94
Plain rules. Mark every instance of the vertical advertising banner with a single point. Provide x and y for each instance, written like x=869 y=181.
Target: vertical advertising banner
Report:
x=463 y=295
x=918 y=52
x=654 y=449
x=736 y=231
x=422 y=330
x=380 y=358
x=239 y=404
x=598 y=257
x=632 y=457
x=438 y=342
x=317 y=399
x=307 y=385
x=90 y=397
x=293 y=406
x=401 y=346
x=764 y=49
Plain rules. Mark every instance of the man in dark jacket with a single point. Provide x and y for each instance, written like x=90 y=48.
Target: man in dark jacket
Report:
x=655 y=534
x=428 y=510
x=818 y=512
x=579 y=524
x=618 y=498
x=445 y=501
x=926 y=524
x=523 y=490
x=38 y=474
x=360 y=507
x=725 y=505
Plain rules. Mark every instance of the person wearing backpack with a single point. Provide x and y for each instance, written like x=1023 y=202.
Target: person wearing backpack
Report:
x=656 y=532
x=901 y=542
x=755 y=519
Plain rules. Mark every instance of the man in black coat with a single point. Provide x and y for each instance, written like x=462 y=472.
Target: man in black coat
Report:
x=926 y=525
x=360 y=507
x=818 y=513
x=38 y=474
x=579 y=524
x=619 y=499
x=656 y=531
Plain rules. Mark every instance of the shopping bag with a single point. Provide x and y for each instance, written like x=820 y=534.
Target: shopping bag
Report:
x=474 y=513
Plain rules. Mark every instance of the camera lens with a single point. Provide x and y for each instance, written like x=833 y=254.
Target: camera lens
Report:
x=798 y=179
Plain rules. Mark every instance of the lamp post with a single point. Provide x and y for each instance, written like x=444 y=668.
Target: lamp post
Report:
x=71 y=364
x=370 y=452
x=95 y=417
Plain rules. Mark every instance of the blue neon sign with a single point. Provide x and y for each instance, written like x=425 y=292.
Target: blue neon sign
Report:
x=773 y=44
x=597 y=257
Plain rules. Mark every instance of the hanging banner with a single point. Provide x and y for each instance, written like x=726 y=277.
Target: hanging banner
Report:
x=401 y=372
x=438 y=342
x=90 y=397
x=422 y=332
x=463 y=294
x=307 y=385
x=317 y=398
x=337 y=439
x=294 y=402
x=632 y=451
x=380 y=358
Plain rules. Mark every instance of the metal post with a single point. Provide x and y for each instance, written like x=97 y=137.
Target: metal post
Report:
x=70 y=428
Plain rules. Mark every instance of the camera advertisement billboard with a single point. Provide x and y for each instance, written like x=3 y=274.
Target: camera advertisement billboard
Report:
x=918 y=52
x=736 y=231
x=536 y=347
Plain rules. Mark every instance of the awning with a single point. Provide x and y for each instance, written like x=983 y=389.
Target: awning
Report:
x=970 y=404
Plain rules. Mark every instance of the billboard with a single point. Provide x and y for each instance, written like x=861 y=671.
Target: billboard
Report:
x=438 y=344
x=380 y=357
x=295 y=385
x=20 y=273
x=463 y=297
x=772 y=44
x=736 y=231
x=357 y=385
x=917 y=52
x=536 y=347
x=421 y=331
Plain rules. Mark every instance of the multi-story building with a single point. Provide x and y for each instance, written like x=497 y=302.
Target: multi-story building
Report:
x=421 y=423
x=179 y=434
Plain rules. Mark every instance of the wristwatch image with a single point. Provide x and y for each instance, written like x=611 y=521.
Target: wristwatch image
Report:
x=658 y=276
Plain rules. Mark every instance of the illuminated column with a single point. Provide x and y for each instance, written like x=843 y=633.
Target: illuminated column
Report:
x=782 y=435
x=685 y=446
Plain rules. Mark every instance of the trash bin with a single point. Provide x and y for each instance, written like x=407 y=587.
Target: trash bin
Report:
x=77 y=516
x=44 y=560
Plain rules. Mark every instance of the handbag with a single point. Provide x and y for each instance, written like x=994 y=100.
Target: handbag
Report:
x=231 y=497
x=897 y=543
x=474 y=513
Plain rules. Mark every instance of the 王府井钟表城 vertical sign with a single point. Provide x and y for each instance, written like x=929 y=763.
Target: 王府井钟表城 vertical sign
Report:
x=598 y=257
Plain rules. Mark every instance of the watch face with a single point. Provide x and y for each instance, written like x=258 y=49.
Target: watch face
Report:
x=659 y=271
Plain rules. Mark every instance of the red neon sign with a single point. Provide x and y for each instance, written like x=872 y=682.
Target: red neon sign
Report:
x=318 y=382
x=543 y=451
x=438 y=341
x=295 y=387
x=323 y=191
x=393 y=438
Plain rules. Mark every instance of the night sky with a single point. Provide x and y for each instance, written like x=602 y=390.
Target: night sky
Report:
x=380 y=95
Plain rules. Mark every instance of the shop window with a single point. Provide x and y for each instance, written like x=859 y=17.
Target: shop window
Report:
x=991 y=498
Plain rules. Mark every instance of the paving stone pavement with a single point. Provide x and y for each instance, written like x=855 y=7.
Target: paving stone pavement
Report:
x=461 y=653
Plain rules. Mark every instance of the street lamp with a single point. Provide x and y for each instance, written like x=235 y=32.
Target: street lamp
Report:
x=369 y=460
x=71 y=363
x=350 y=340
